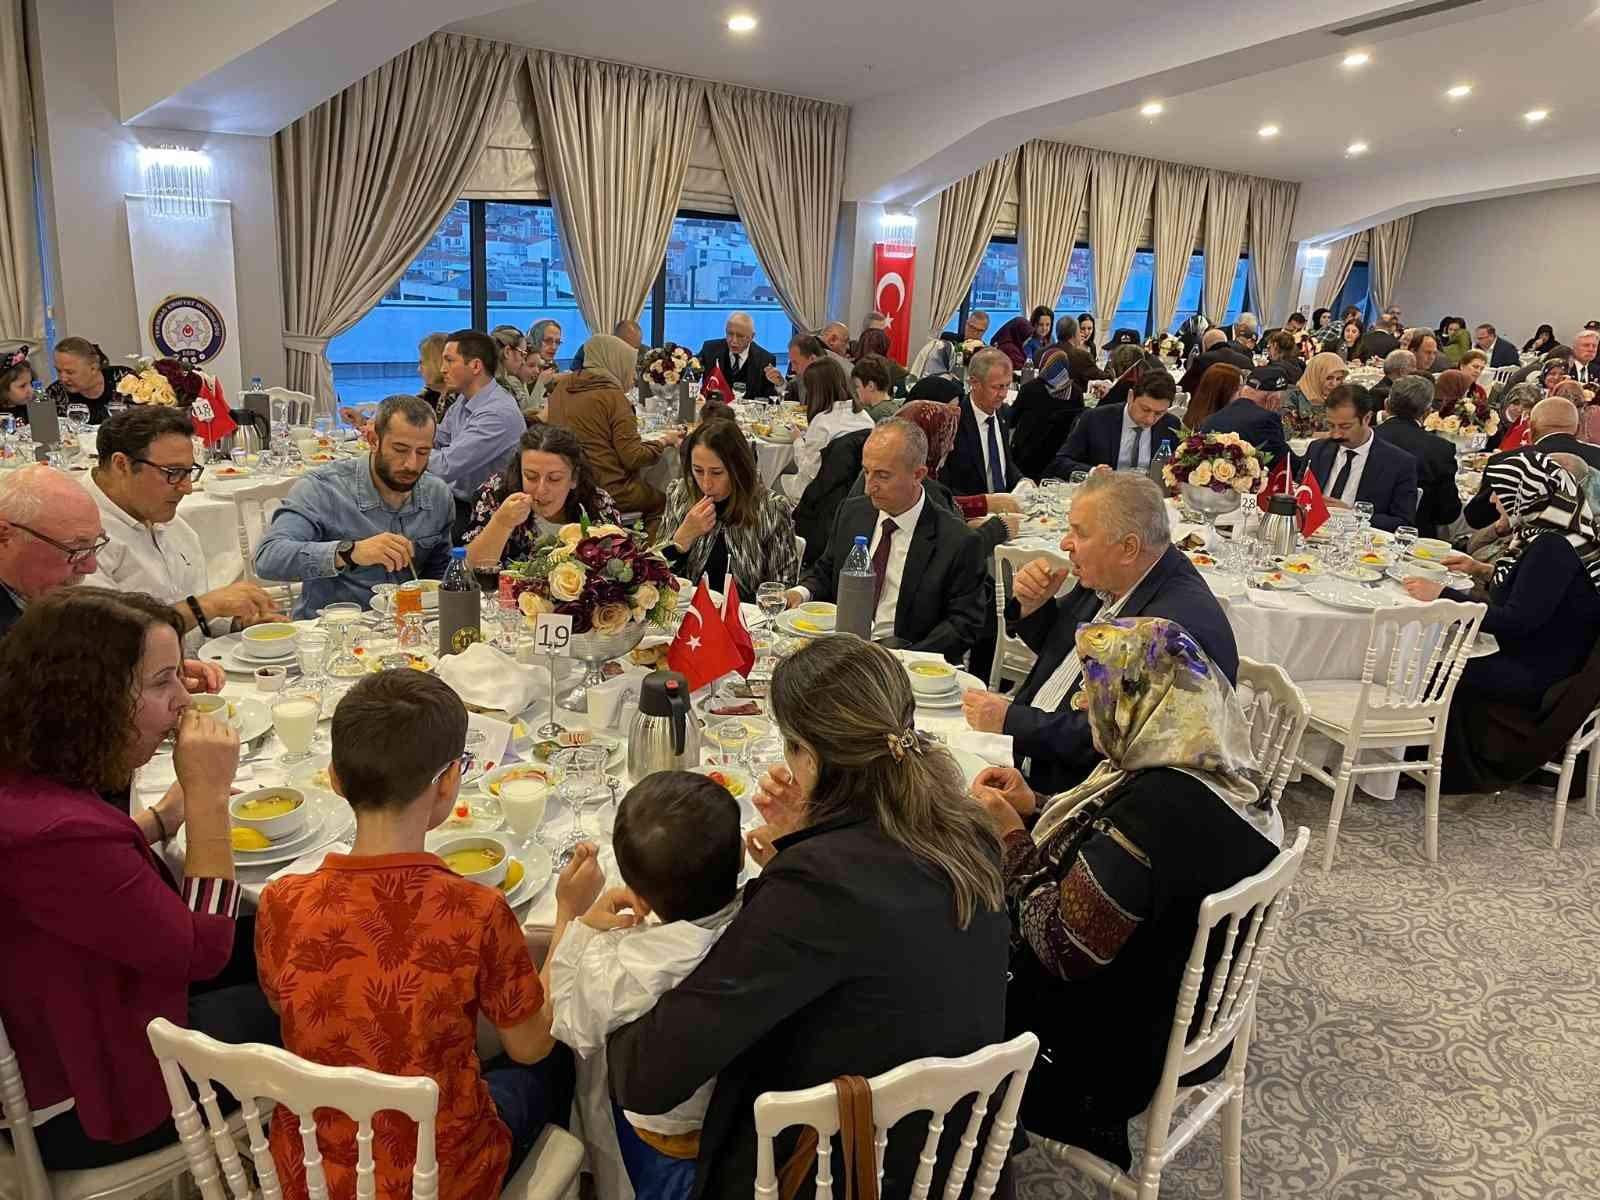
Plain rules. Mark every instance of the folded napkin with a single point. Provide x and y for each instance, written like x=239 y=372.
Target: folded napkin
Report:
x=993 y=748
x=489 y=678
x=1265 y=599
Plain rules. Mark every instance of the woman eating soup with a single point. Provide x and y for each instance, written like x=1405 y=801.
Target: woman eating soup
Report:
x=84 y=375
x=724 y=520
x=547 y=484
x=115 y=940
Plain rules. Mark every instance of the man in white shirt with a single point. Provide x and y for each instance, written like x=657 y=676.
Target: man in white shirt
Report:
x=146 y=468
x=980 y=462
x=50 y=533
x=1584 y=369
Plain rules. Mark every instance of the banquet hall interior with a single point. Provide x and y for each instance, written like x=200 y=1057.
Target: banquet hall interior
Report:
x=1232 y=375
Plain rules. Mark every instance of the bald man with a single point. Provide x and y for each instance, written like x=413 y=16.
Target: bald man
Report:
x=1552 y=429
x=741 y=359
x=1214 y=349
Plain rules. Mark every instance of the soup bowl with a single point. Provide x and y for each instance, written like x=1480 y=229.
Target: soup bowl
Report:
x=481 y=859
x=263 y=810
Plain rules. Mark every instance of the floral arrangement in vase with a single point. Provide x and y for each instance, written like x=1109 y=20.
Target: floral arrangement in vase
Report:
x=186 y=382
x=1167 y=346
x=602 y=576
x=148 y=385
x=669 y=364
x=1219 y=461
x=1462 y=417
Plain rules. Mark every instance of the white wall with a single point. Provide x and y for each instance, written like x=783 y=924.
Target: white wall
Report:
x=1517 y=262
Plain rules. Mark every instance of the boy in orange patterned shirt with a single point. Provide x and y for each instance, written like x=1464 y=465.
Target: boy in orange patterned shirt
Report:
x=383 y=958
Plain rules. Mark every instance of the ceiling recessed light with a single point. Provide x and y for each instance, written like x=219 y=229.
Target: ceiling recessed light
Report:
x=1154 y=109
x=1534 y=115
x=1356 y=148
x=1358 y=58
x=1268 y=131
x=741 y=23
x=1459 y=91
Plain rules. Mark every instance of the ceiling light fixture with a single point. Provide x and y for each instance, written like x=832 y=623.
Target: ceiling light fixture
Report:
x=1154 y=109
x=1534 y=115
x=1358 y=58
x=1268 y=131
x=741 y=23
x=1460 y=91
x=1355 y=148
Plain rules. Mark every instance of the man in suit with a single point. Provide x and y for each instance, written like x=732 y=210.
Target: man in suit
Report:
x=932 y=581
x=980 y=462
x=1214 y=349
x=1501 y=352
x=1120 y=543
x=50 y=528
x=1113 y=436
x=805 y=349
x=1397 y=364
x=1408 y=402
x=1352 y=465
x=1583 y=366
x=1246 y=334
x=1552 y=429
x=1253 y=414
x=1378 y=342
x=741 y=359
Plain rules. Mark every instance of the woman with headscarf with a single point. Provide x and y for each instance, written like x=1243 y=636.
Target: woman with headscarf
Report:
x=1105 y=892
x=1544 y=611
x=1542 y=341
x=593 y=404
x=1046 y=408
x=1012 y=338
x=1588 y=410
x=1304 y=405
x=1449 y=390
x=1515 y=404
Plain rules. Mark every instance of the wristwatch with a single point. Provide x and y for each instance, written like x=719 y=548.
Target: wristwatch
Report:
x=342 y=553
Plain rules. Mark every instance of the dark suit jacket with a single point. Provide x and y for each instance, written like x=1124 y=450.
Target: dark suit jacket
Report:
x=1040 y=424
x=1377 y=343
x=1436 y=472
x=1225 y=353
x=964 y=472
x=944 y=587
x=1480 y=509
x=1388 y=483
x=10 y=614
x=834 y=481
x=1059 y=742
x=1262 y=429
x=1504 y=354
x=754 y=376
x=1096 y=440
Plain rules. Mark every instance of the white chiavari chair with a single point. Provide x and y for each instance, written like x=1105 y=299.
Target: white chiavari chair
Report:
x=1277 y=713
x=1585 y=739
x=1013 y=659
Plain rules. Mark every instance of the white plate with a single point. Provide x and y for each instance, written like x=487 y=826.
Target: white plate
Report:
x=537 y=867
x=489 y=784
x=950 y=700
x=1288 y=582
x=227 y=475
x=1348 y=597
x=225 y=650
x=260 y=654
x=294 y=844
x=1225 y=585
x=1358 y=574
x=329 y=814
x=738 y=777
x=251 y=718
x=616 y=748
x=705 y=704
x=784 y=624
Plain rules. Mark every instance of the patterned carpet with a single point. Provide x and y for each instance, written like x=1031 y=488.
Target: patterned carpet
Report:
x=1423 y=1031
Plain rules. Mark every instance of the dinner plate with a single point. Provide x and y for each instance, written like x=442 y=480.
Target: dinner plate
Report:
x=326 y=822
x=1284 y=582
x=537 y=867
x=537 y=750
x=262 y=655
x=1358 y=574
x=784 y=623
x=1348 y=597
x=251 y=718
x=489 y=784
x=1225 y=585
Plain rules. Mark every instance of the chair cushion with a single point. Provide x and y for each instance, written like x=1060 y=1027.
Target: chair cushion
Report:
x=1333 y=703
x=550 y=1169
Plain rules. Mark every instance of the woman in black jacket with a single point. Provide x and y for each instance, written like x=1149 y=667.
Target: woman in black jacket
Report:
x=1045 y=410
x=876 y=933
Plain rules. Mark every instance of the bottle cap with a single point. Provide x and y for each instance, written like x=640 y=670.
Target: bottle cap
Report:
x=458 y=552
x=861 y=539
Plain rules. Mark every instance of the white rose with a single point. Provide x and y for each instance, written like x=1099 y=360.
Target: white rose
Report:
x=566 y=581
x=644 y=599
x=1200 y=476
x=570 y=535
x=1242 y=485
x=610 y=618
x=532 y=604
x=1223 y=471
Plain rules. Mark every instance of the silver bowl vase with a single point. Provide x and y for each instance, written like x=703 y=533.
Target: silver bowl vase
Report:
x=1211 y=505
x=595 y=650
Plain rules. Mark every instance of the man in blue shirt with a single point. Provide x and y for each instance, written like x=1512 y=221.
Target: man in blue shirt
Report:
x=481 y=430
x=353 y=524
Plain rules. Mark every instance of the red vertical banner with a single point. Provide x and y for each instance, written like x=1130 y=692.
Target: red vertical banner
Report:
x=893 y=267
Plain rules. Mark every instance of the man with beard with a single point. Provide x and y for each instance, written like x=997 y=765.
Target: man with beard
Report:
x=359 y=522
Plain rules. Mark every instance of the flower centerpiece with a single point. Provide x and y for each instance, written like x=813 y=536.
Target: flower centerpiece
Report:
x=664 y=367
x=148 y=385
x=186 y=382
x=1215 y=471
x=1167 y=346
x=1462 y=418
x=964 y=353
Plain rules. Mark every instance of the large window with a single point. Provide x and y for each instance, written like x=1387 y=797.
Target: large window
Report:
x=1355 y=291
x=492 y=263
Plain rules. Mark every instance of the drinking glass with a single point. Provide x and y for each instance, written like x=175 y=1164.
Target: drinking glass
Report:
x=77 y=416
x=1404 y=538
x=295 y=720
x=772 y=598
x=341 y=620
x=523 y=803
x=730 y=738
x=580 y=777
x=320 y=426
x=311 y=651
x=239 y=456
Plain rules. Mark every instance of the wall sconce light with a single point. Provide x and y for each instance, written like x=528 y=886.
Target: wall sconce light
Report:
x=177 y=182
x=898 y=226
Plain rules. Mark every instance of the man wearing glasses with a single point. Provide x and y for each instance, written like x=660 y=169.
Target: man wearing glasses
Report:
x=50 y=532
x=146 y=467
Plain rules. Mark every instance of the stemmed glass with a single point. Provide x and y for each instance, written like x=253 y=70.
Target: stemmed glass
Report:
x=771 y=598
x=580 y=777
x=77 y=416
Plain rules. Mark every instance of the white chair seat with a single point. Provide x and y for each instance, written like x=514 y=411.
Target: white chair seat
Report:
x=135 y=1177
x=550 y=1170
x=1333 y=707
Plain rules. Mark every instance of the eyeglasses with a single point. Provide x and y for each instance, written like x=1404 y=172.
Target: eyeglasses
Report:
x=75 y=554
x=175 y=475
x=464 y=758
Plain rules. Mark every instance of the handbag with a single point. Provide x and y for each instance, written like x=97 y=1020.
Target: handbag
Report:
x=857 y=1132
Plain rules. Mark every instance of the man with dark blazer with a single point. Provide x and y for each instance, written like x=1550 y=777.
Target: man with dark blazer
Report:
x=50 y=528
x=1351 y=464
x=981 y=460
x=1501 y=352
x=1552 y=429
x=1122 y=435
x=1120 y=543
x=933 y=583
x=1378 y=342
x=1408 y=402
x=1214 y=349
x=741 y=359
x=1253 y=414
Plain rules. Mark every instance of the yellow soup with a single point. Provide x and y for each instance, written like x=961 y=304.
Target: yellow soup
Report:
x=267 y=807
x=271 y=633
x=470 y=862
x=931 y=670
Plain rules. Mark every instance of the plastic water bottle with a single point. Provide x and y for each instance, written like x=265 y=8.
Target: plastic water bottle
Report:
x=856 y=585
x=1158 y=462
x=255 y=383
x=460 y=606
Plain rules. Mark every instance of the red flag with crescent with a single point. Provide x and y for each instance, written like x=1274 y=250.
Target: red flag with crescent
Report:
x=703 y=651
x=893 y=269
x=715 y=386
x=1313 y=508
x=733 y=618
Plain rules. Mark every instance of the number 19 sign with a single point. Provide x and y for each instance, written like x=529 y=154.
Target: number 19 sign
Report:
x=552 y=634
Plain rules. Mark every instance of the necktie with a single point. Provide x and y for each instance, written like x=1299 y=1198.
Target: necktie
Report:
x=1138 y=446
x=1343 y=480
x=738 y=363
x=997 y=470
x=880 y=561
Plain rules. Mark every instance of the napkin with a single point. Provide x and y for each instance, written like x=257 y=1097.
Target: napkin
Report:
x=1265 y=599
x=993 y=748
x=489 y=678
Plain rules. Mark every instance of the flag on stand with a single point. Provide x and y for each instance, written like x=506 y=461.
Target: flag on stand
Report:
x=1276 y=484
x=703 y=651
x=1313 y=508
x=733 y=618
x=209 y=412
x=715 y=386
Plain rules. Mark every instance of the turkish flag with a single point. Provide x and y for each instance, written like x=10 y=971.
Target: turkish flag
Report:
x=1277 y=483
x=1313 y=508
x=893 y=269
x=733 y=618
x=209 y=412
x=703 y=651
x=715 y=386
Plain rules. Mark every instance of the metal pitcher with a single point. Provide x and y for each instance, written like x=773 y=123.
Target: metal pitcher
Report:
x=664 y=735
x=1280 y=526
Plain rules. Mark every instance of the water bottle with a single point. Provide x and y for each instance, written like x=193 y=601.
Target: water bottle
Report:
x=1158 y=462
x=856 y=585
x=460 y=606
x=255 y=383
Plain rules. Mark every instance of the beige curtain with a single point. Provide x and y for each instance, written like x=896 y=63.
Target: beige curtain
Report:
x=1271 y=253
x=1227 y=212
x=21 y=285
x=785 y=162
x=1341 y=257
x=616 y=144
x=1119 y=204
x=1053 y=182
x=1180 y=203
x=968 y=210
x=1387 y=259
x=364 y=179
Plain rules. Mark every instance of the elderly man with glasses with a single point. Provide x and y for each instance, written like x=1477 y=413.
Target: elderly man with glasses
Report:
x=146 y=468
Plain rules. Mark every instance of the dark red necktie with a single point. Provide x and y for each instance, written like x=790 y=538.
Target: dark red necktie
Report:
x=880 y=561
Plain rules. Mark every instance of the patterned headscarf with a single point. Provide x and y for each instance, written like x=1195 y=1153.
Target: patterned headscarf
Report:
x=1056 y=372
x=1154 y=699
x=1540 y=497
x=939 y=423
x=1314 y=379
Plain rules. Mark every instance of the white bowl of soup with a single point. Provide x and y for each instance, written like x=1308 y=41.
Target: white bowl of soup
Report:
x=275 y=638
x=931 y=678
x=819 y=612
x=480 y=859
x=275 y=813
